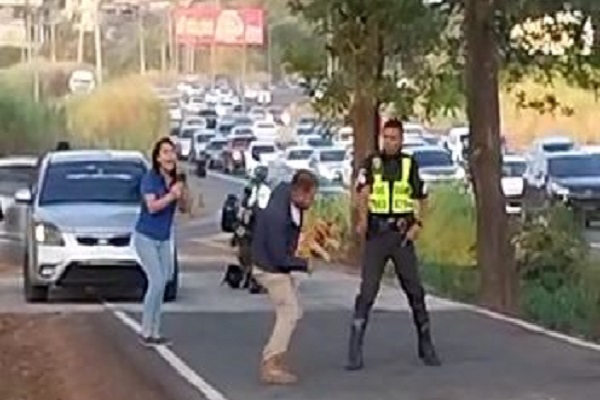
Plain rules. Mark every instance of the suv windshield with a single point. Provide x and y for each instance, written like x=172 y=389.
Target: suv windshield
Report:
x=92 y=182
x=513 y=168
x=299 y=154
x=433 y=159
x=574 y=166
x=332 y=156
x=15 y=177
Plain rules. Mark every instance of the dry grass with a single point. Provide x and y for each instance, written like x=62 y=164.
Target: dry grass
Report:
x=522 y=126
x=123 y=114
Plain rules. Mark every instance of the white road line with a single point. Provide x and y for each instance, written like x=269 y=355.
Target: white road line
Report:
x=184 y=370
x=595 y=245
x=524 y=325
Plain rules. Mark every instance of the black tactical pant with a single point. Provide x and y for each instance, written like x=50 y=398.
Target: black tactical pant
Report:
x=379 y=248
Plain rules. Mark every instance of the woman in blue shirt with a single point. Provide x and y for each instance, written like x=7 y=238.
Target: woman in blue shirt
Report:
x=161 y=192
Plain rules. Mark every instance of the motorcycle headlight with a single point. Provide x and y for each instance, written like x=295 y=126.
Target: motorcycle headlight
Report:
x=237 y=155
x=48 y=234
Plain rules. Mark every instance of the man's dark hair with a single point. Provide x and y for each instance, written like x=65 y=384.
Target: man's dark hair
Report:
x=394 y=124
x=304 y=180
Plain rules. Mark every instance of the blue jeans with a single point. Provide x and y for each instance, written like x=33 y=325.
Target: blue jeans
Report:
x=156 y=257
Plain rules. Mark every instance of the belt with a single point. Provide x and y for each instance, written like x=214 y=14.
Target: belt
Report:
x=399 y=224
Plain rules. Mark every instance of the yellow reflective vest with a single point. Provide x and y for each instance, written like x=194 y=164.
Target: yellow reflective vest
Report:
x=400 y=201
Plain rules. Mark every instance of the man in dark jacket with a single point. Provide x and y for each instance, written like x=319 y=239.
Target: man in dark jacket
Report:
x=274 y=246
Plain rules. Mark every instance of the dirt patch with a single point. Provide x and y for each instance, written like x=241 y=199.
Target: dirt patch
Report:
x=7 y=269
x=65 y=357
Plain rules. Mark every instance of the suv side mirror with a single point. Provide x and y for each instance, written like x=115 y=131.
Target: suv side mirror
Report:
x=23 y=196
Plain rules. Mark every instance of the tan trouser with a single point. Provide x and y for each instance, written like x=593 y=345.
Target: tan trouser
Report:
x=281 y=289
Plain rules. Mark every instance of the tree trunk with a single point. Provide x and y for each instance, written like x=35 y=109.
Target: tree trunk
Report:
x=495 y=254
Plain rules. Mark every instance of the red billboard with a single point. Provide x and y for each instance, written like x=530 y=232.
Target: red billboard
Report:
x=201 y=25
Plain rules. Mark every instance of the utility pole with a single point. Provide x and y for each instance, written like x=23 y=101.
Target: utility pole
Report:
x=53 y=36
x=98 y=42
x=213 y=46
x=269 y=55
x=36 y=51
x=141 y=38
x=80 y=37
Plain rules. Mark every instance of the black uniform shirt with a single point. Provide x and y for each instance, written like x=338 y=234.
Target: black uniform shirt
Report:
x=392 y=171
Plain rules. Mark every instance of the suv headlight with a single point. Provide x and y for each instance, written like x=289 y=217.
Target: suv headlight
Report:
x=48 y=234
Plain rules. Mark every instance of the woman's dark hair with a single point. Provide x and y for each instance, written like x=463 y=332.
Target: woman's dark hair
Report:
x=156 y=151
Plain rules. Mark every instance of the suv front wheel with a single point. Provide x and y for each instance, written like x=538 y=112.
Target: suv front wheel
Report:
x=33 y=293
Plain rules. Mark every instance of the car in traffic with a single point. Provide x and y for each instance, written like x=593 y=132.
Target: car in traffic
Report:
x=457 y=143
x=569 y=177
x=199 y=143
x=260 y=153
x=80 y=223
x=243 y=121
x=214 y=152
x=16 y=173
x=513 y=181
x=194 y=105
x=299 y=157
x=265 y=130
x=210 y=116
x=233 y=155
x=224 y=128
x=436 y=164
x=193 y=122
x=328 y=162
x=185 y=141
x=242 y=131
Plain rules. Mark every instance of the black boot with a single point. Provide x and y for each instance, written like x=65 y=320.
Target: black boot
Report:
x=355 y=354
x=427 y=352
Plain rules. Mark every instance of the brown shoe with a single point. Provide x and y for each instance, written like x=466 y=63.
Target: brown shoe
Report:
x=271 y=372
x=283 y=363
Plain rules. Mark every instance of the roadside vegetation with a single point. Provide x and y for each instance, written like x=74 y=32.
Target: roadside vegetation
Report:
x=557 y=278
x=123 y=113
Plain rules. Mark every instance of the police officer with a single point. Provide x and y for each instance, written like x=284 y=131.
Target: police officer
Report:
x=391 y=199
x=256 y=197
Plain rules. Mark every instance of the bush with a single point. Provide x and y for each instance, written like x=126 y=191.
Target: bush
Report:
x=121 y=114
x=449 y=233
x=27 y=127
x=560 y=284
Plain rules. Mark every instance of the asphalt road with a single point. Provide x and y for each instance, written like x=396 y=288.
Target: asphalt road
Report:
x=218 y=334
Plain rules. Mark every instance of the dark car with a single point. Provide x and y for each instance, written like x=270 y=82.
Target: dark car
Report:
x=214 y=152
x=234 y=153
x=572 y=178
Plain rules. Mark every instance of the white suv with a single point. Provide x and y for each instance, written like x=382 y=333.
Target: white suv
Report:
x=80 y=224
